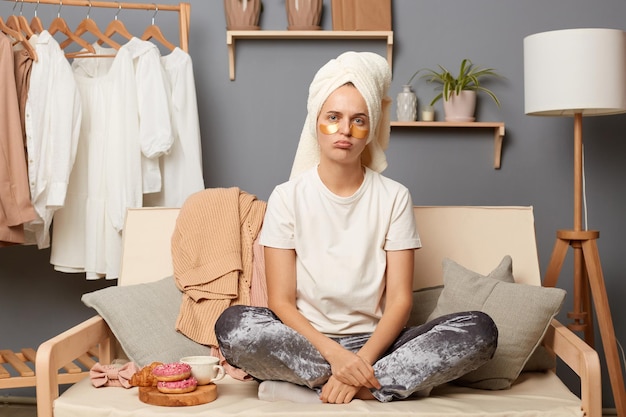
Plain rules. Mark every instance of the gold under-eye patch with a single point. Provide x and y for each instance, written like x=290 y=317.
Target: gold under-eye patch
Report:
x=355 y=131
x=329 y=129
x=359 y=132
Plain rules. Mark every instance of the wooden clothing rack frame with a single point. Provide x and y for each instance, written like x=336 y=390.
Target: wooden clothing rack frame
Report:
x=16 y=368
x=183 y=9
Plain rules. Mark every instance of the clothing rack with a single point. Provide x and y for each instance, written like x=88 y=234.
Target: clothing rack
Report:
x=183 y=9
x=16 y=368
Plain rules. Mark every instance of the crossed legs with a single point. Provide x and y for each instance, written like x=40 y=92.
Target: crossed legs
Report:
x=255 y=340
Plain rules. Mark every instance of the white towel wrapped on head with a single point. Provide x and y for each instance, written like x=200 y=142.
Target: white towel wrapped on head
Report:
x=371 y=75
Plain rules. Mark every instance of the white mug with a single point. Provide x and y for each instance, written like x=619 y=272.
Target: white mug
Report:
x=205 y=369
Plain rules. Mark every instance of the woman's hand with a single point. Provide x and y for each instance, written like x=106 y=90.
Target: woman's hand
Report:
x=336 y=392
x=350 y=369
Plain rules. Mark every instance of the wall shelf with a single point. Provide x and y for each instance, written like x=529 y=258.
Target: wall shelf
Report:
x=497 y=127
x=233 y=35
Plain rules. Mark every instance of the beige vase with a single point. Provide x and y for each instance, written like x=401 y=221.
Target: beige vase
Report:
x=303 y=14
x=460 y=108
x=242 y=14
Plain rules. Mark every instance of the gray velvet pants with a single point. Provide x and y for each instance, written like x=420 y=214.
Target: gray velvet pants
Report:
x=256 y=341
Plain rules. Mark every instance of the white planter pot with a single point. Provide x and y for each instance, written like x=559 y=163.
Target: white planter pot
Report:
x=460 y=108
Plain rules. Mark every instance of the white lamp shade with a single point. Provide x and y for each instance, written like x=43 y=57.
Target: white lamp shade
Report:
x=575 y=71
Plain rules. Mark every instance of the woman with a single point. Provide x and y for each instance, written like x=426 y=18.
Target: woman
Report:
x=339 y=240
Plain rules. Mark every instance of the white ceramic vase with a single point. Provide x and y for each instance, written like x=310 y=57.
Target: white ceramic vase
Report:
x=406 y=105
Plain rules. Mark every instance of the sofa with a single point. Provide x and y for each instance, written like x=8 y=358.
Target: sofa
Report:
x=472 y=258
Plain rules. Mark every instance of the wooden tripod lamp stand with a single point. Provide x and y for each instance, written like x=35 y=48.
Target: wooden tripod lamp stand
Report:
x=580 y=72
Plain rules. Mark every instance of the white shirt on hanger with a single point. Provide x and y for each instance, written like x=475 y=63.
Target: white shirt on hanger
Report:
x=182 y=167
x=53 y=117
x=106 y=179
x=155 y=129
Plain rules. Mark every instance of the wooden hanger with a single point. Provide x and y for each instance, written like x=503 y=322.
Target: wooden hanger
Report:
x=14 y=23
x=35 y=24
x=88 y=25
x=18 y=36
x=59 y=25
x=21 y=22
x=25 y=26
x=116 y=26
x=8 y=30
x=154 y=32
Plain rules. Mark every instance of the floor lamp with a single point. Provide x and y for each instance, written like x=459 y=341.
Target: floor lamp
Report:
x=580 y=72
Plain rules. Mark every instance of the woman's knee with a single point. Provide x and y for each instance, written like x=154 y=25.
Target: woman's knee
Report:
x=472 y=327
x=228 y=320
x=240 y=321
x=486 y=327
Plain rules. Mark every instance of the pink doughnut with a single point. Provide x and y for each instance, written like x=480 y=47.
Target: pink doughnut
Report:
x=174 y=371
x=177 y=387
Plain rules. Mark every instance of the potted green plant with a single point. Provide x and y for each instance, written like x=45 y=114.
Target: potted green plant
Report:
x=459 y=92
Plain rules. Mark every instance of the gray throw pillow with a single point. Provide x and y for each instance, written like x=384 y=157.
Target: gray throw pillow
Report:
x=425 y=299
x=521 y=312
x=143 y=319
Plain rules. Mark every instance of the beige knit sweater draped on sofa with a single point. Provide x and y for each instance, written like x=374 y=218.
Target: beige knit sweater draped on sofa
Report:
x=212 y=254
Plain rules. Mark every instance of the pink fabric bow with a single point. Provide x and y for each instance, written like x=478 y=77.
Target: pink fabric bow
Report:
x=112 y=375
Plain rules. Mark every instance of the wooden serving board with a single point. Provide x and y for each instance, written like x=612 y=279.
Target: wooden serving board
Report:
x=201 y=395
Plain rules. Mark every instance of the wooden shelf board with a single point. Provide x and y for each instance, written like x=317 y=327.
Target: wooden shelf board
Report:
x=498 y=135
x=233 y=35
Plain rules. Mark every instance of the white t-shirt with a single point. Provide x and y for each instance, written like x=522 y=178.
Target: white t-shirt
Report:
x=340 y=245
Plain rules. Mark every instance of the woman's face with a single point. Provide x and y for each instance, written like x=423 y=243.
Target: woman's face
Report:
x=343 y=126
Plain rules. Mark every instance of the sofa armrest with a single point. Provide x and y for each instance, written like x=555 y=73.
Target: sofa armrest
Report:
x=64 y=348
x=582 y=359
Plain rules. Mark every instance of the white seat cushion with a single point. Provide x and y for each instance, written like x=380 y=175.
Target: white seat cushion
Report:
x=533 y=395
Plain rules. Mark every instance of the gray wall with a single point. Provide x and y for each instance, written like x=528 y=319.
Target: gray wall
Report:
x=250 y=128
